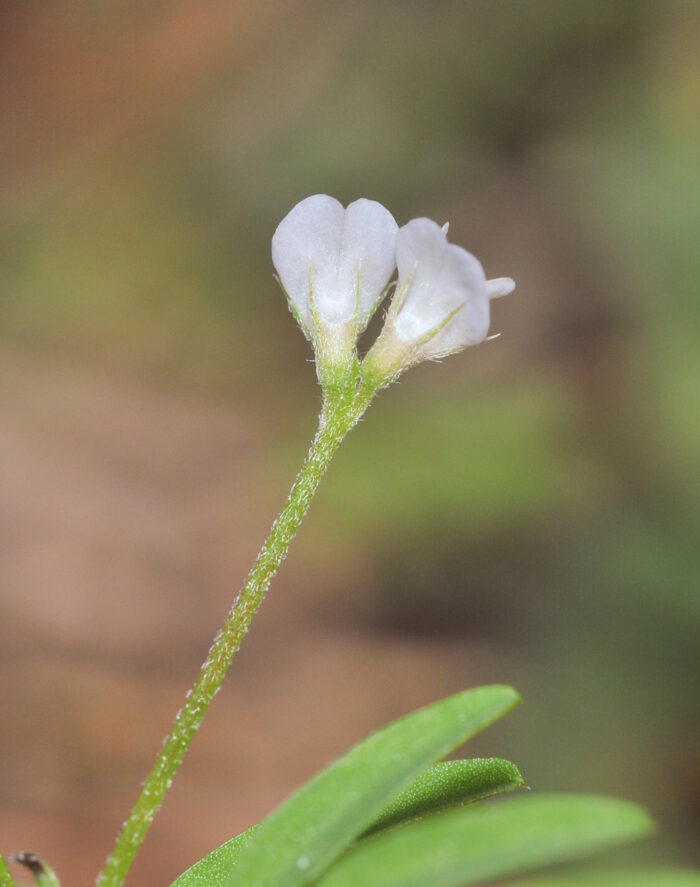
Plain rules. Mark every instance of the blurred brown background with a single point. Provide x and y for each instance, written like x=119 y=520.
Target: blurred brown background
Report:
x=526 y=512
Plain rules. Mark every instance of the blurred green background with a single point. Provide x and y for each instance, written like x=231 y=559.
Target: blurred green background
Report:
x=526 y=512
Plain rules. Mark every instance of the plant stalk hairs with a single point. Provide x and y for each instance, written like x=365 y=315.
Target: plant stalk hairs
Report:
x=335 y=265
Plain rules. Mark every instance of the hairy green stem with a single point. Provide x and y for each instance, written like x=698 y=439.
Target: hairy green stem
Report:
x=338 y=416
x=5 y=876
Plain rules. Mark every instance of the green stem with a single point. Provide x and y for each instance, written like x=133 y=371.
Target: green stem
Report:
x=5 y=876
x=337 y=418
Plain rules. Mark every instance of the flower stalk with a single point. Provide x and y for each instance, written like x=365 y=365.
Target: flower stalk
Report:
x=339 y=414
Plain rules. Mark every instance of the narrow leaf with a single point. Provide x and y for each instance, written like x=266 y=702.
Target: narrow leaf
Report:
x=618 y=878
x=442 y=785
x=449 y=784
x=474 y=845
x=299 y=840
x=214 y=868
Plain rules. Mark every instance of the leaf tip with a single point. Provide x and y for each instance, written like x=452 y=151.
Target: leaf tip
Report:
x=509 y=695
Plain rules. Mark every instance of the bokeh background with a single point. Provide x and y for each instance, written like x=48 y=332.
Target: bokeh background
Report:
x=526 y=512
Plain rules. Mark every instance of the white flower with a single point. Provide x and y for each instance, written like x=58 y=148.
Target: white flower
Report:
x=441 y=303
x=334 y=265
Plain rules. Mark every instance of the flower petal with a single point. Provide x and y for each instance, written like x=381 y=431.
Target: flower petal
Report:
x=436 y=280
x=344 y=257
x=306 y=240
x=500 y=286
x=368 y=249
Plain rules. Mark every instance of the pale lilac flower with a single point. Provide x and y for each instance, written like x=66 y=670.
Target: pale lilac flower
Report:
x=441 y=302
x=334 y=265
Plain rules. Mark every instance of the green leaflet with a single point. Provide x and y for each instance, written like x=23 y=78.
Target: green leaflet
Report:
x=214 y=868
x=445 y=784
x=449 y=784
x=300 y=839
x=475 y=845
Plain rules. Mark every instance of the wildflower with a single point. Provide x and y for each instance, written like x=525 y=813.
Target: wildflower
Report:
x=334 y=265
x=440 y=306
